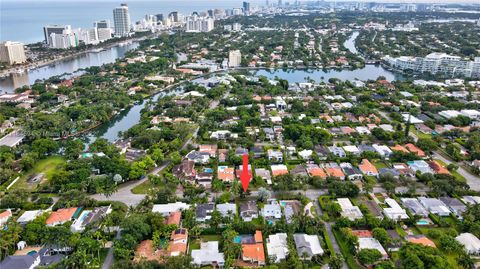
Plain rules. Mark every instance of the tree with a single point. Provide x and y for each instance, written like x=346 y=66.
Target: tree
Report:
x=381 y=235
x=427 y=144
x=369 y=256
x=263 y=194
x=336 y=261
x=44 y=146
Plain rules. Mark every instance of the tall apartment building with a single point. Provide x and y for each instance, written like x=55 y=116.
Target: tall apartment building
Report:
x=121 y=20
x=234 y=58
x=246 y=7
x=199 y=24
x=12 y=52
x=53 y=29
x=66 y=39
x=437 y=63
x=103 y=24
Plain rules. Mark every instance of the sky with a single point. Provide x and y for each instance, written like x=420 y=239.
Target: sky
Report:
x=239 y=1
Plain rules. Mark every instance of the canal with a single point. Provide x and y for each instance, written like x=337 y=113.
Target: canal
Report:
x=67 y=66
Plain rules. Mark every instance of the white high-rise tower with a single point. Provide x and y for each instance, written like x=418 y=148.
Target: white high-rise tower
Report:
x=121 y=20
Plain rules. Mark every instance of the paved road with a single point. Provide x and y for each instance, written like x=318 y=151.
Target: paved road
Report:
x=472 y=180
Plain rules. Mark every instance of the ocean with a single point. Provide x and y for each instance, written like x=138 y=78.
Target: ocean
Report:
x=23 y=20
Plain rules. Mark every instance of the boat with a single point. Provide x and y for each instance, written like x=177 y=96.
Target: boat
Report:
x=98 y=50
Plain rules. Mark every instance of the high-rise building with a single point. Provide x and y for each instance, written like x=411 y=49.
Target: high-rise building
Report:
x=121 y=20
x=67 y=39
x=104 y=34
x=102 y=24
x=237 y=11
x=236 y=27
x=280 y=3
x=159 y=18
x=173 y=16
x=234 y=58
x=12 y=52
x=51 y=29
x=199 y=24
x=246 y=7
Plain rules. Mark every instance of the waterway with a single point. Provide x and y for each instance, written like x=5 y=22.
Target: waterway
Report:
x=67 y=66
x=350 y=43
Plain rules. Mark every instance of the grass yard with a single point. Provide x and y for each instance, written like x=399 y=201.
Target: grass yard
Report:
x=195 y=244
x=46 y=166
x=143 y=188
x=454 y=173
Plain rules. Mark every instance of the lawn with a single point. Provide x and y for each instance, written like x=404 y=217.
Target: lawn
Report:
x=454 y=173
x=195 y=244
x=46 y=166
x=143 y=188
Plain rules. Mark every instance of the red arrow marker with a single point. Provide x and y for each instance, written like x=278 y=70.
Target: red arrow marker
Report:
x=245 y=176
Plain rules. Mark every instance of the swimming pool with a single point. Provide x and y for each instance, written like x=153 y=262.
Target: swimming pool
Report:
x=423 y=222
x=208 y=170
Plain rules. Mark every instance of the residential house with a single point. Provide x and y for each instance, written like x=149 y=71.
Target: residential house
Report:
x=222 y=135
x=315 y=171
x=421 y=240
x=457 y=207
x=470 y=242
x=321 y=151
x=435 y=206
x=414 y=149
x=208 y=254
x=404 y=170
x=389 y=172
x=269 y=133
x=414 y=206
x=227 y=209
x=204 y=178
x=305 y=154
x=264 y=174
x=258 y=152
x=204 y=212
x=371 y=243
x=185 y=170
x=271 y=210
x=21 y=261
x=178 y=242
x=438 y=168
x=226 y=174
x=241 y=151
x=367 y=168
x=210 y=149
x=352 y=150
x=61 y=216
x=277 y=247
x=89 y=217
x=167 y=209
x=252 y=249
x=174 y=218
x=382 y=150
x=275 y=156
x=307 y=246
x=420 y=166
x=290 y=208
x=4 y=216
x=399 y=148
x=248 y=210
x=198 y=157
x=299 y=170
x=351 y=172
x=337 y=151
x=349 y=211
x=29 y=216
x=394 y=211
x=279 y=169
x=333 y=170
x=222 y=155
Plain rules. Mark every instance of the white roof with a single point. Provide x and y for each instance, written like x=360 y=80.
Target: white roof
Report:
x=470 y=242
x=449 y=114
x=394 y=212
x=29 y=215
x=276 y=167
x=311 y=241
x=351 y=148
x=166 y=209
x=207 y=254
x=413 y=119
x=277 y=246
x=371 y=243
x=226 y=207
